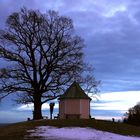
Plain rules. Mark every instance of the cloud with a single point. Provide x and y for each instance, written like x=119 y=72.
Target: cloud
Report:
x=109 y=104
x=111 y=33
x=114 y=104
x=119 y=101
x=108 y=117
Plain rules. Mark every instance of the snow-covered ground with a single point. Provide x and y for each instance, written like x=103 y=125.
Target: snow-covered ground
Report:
x=75 y=133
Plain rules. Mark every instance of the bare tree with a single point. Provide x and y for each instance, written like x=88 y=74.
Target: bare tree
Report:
x=43 y=57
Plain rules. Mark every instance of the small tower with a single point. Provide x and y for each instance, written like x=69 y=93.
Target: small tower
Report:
x=74 y=103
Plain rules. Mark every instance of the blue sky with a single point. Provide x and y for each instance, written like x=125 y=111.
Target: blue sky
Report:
x=111 y=30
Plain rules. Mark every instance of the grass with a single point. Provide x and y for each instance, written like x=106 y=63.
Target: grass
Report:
x=17 y=131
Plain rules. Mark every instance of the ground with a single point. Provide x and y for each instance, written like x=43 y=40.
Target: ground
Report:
x=22 y=130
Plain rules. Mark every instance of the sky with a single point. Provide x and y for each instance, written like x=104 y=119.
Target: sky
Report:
x=111 y=30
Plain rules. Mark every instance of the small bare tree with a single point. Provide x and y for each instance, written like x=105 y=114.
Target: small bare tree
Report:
x=43 y=57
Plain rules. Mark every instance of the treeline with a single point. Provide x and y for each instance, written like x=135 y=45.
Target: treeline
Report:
x=133 y=115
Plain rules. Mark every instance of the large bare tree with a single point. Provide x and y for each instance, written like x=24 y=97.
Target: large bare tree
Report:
x=43 y=56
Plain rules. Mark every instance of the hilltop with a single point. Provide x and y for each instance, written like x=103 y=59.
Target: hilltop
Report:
x=18 y=131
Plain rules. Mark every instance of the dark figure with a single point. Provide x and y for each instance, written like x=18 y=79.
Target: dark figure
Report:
x=113 y=120
x=51 y=109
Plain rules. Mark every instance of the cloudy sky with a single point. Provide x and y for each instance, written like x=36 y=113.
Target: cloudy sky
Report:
x=111 y=30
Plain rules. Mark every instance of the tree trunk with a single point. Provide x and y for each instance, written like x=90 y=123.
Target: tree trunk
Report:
x=37 y=113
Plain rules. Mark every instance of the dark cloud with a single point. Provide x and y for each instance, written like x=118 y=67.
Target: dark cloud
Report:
x=111 y=30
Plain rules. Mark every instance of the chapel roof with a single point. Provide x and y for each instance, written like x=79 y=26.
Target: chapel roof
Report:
x=74 y=92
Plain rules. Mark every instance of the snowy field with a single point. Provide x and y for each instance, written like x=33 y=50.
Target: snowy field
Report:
x=75 y=133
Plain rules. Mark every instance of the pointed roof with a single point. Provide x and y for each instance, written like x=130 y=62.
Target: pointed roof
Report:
x=74 y=92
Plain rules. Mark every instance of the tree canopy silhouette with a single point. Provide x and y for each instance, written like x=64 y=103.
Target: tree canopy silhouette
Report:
x=133 y=115
x=43 y=57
